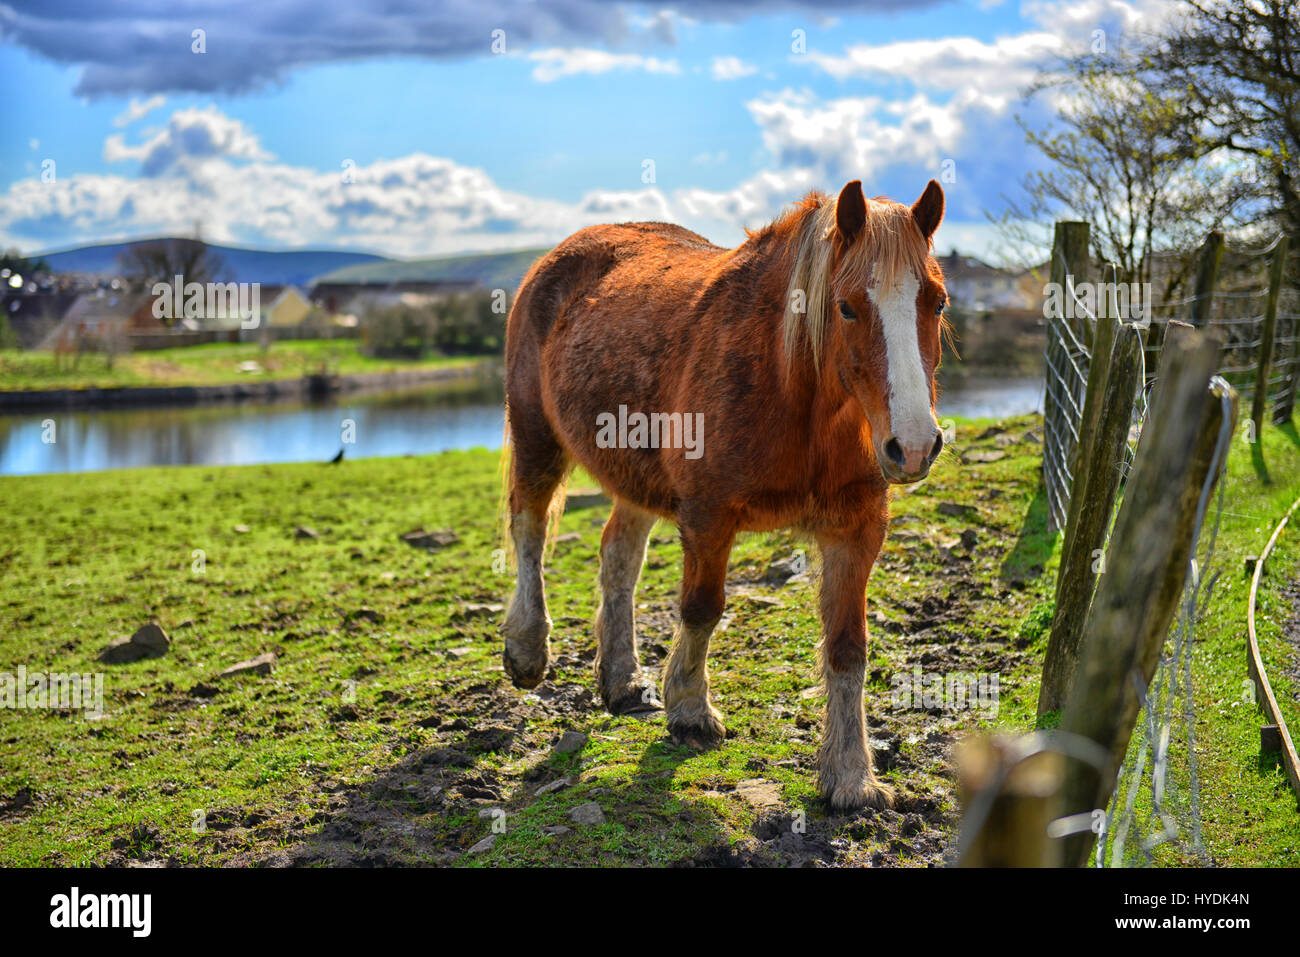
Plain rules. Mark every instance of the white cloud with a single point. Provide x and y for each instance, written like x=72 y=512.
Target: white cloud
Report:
x=751 y=203
x=137 y=109
x=999 y=70
x=731 y=68
x=191 y=135
x=219 y=176
x=554 y=64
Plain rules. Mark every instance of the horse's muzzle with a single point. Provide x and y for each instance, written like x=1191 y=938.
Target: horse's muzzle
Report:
x=903 y=466
x=896 y=476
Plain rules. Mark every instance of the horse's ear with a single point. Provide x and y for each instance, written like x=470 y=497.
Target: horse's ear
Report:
x=850 y=210
x=928 y=210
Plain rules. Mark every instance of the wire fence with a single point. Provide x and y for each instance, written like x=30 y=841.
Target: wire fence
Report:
x=1156 y=801
x=1236 y=315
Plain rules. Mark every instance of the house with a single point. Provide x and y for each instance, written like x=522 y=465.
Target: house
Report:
x=33 y=315
x=978 y=287
x=101 y=314
x=349 y=301
x=284 y=306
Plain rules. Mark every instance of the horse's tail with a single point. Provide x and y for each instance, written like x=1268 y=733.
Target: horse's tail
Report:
x=507 y=544
x=554 y=510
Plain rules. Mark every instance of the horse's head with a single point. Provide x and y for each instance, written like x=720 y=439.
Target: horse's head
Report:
x=886 y=307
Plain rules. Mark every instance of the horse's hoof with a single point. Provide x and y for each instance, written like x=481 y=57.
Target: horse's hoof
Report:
x=637 y=695
x=526 y=670
x=868 y=792
x=696 y=727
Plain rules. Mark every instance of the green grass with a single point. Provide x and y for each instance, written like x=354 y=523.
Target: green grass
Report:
x=287 y=767
x=210 y=364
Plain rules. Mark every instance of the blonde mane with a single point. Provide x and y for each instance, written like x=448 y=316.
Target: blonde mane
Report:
x=889 y=245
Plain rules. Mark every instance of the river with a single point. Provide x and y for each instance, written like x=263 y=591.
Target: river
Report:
x=415 y=422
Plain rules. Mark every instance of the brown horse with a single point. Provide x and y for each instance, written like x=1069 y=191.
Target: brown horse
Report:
x=803 y=363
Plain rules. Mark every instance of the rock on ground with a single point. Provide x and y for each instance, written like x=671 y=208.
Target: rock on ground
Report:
x=261 y=665
x=588 y=814
x=570 y=741
x=149 y=641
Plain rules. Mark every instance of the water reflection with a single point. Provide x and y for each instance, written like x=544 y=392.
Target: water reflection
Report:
x=416 y=421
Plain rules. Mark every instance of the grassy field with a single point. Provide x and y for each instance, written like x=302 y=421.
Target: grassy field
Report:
x=1248 y=810
x=211 y=364
x=388 y=734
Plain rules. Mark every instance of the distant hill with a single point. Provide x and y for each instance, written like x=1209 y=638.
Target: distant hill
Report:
x=493 y=270
x=298 y=266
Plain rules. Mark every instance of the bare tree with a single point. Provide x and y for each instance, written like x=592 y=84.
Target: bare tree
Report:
x=161 y=260
x=1233 y=66
x=1116 y=157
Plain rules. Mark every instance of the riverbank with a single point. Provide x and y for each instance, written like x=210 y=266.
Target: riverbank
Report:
x=214 y=373
x=271 y=390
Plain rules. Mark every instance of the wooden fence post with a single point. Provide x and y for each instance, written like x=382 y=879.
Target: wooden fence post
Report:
x=1098 y=365
x=1286 y=404
x=1015 y=797
x=1091 y=504
x=1276 y=270
x=1075 y=237
x=1069 y=256
x=1145 y=568
x=1207 y=275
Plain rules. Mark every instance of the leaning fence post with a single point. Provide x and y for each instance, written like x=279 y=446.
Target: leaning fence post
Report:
x=1145 y=568
x=1207 y=274
x=1267 y=335
x=1091 y=505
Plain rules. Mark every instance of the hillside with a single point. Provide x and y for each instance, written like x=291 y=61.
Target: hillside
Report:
x=297 y=266
x=493 y=270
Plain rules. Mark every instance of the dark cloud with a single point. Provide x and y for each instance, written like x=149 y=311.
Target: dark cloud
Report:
x=144 y=46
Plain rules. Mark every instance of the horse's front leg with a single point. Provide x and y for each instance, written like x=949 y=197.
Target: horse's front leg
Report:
x=692 y=719
x=845 y=776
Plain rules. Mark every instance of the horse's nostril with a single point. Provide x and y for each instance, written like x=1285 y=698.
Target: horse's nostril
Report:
x=894 y=452
x=938 y=447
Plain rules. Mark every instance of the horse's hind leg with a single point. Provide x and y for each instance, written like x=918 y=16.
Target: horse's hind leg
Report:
x=623 y=687
x=692 y=719
x=537 y=467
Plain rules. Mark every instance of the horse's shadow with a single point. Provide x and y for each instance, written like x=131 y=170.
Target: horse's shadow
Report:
x=433 y=805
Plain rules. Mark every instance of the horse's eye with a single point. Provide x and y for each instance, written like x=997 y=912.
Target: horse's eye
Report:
x=847 y=312
x=938 y=310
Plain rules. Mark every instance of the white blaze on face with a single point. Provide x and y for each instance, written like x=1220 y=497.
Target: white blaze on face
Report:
x=910 y=414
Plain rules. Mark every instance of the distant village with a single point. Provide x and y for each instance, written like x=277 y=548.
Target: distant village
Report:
x=49 y=311
x=67 y=311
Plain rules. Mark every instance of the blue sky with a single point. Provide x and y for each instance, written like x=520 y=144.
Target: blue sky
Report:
x=403 y=132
